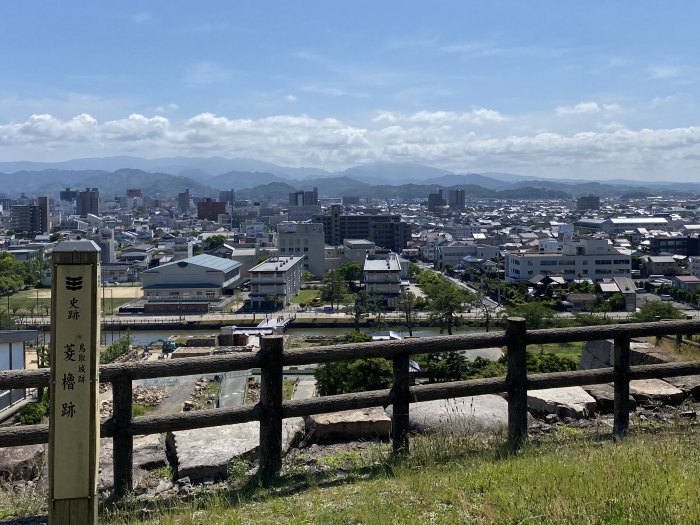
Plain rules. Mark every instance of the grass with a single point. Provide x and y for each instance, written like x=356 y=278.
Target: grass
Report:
x=138 y=409
x=569 y=478
x=25 y=300
x=305 y=296
x=288 y=386
x=571 y=350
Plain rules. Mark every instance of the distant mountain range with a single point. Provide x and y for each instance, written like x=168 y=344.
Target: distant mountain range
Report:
x=253 y=178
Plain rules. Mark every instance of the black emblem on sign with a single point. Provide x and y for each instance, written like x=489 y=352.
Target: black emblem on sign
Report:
x=74 y=283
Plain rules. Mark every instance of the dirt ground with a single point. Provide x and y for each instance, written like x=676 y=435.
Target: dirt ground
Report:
x=118 y=292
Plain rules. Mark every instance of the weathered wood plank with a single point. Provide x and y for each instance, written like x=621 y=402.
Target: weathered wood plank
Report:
x=390 y=349
x=517 y=381
x=591 y=333
x=156 y=424
x=402 y=399
x=270 y=449
x=181 y=367
x=622 y=386
x=123 y=450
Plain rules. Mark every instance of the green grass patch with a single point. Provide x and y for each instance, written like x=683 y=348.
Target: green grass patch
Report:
x=138 y=409
x=305 y=296
x=288 y=386
x=26 y=303
x=649 y=478
x=571 y=350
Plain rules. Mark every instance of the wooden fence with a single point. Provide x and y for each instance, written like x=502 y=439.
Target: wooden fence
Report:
x=271 y=359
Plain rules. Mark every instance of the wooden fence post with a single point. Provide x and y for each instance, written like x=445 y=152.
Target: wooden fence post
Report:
x=401 y=403
x=622 y=386
x=123 y=441
x=271 y=349
x=517 y=381
x=679 y=341
x=657 y=318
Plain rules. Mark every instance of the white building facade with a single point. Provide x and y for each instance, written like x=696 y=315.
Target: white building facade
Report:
x=303 y=239
x=594 y=259
x=275 y=281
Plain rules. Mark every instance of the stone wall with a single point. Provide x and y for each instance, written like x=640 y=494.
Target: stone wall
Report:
x=600 y=354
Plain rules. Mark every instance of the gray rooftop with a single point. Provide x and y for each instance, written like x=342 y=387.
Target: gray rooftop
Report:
x=210 y=262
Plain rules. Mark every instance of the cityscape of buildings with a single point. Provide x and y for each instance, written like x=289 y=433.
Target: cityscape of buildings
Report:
x=266 y=244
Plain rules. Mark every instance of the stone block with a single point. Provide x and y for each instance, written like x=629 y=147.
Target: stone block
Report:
x=348 y=425
x=462 y=415
x=656 y=390
x=571 y=401
x=605 y=398
x=21 y=463
x=204 y=454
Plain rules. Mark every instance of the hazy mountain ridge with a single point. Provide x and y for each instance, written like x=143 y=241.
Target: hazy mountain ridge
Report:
x=388 y=180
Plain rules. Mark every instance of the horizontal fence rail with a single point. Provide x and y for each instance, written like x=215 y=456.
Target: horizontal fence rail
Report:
x=271 y=359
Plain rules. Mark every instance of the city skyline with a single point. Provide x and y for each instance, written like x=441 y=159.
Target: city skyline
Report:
x=581 y=92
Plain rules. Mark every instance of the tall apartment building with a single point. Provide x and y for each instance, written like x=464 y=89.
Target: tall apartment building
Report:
x=590 y=202
x=88 y=202
x=456 y=199
x=305 y=239
x=134 y=193
x=183 y=200
x=105 y=240
x=209 y=209
x=228 y=197
x=68 y=195
x=26 y=219
x=594 y=259
x=304 y=198
x=435 y=200
x=387 y=231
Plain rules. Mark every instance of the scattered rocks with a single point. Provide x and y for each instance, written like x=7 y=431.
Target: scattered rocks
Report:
x=21 y=463
x=571 y=402
x=204 y=454
x=689 y=384
x=656 y=390
x=143 y=395
x=605 y=398
x=463 y=415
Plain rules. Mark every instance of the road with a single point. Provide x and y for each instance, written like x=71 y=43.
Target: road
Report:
x=233 y=388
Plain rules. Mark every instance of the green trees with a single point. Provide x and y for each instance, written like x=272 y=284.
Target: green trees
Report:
x=214 y=242
x=334 y=288
x=536 y=315
x=355 y=376
x=351 y=272
x=16 y=274
x=447 y=301
x=358 y=309
x=407 y=306
x=651 y=310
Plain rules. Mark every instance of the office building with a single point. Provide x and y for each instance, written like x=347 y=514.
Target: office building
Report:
x=304 y=198
x=435 y=200
x=303 y=240
x=88 y=202
x=456 y=199
x=228 y=197
x=386 y=231
x=590 y=202
x=183 y=200
x=209 y=209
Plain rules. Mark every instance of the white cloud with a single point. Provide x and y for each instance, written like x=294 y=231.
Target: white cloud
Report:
x=290 y=98
x=578 y=109
x=583 y=108
x=446 y=139
x=166 y=107
x=476 y=116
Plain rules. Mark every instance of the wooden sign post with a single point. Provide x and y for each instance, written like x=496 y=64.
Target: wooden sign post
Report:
x=74 y=413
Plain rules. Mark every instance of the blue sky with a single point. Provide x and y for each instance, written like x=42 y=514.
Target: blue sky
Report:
x=595 y=90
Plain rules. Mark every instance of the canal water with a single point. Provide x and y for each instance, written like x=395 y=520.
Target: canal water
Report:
x=144 y=337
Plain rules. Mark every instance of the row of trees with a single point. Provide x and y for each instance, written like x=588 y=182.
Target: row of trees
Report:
x=15 y=275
